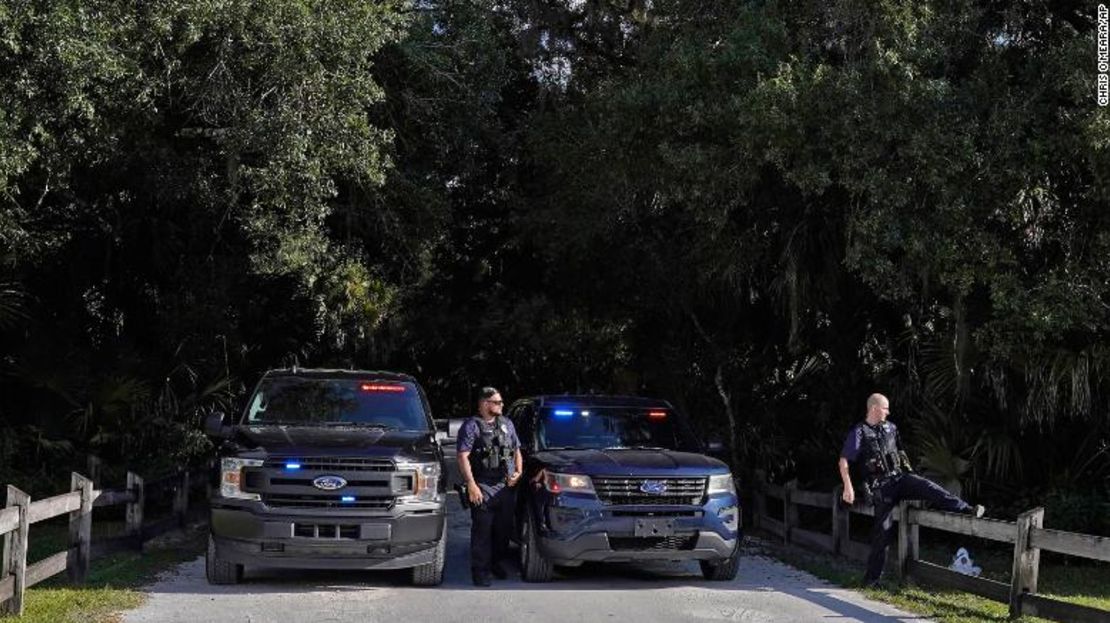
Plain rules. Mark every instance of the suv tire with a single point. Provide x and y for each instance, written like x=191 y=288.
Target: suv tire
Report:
x=533 y=566
x=219 y=571
x=431 y=574
x=721 y=570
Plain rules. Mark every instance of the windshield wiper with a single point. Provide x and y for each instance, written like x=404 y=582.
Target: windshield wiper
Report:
x=635 y=448
x=549 y=448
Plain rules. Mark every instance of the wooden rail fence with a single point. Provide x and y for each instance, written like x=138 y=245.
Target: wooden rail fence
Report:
x=20 y=513
x=1028 y=536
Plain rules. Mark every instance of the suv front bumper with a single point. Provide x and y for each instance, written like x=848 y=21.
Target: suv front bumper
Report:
x=365 y=542
x=578 y=529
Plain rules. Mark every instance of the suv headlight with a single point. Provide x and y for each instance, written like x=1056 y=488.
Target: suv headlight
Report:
x=231 y=477
x=571 y=483
x=721 y=483
x=425 y=481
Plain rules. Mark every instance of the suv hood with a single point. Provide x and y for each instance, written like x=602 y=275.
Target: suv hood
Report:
x=335 y=441
x=617 y=462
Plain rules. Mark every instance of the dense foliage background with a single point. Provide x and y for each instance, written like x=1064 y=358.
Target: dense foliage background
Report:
x=763 y=211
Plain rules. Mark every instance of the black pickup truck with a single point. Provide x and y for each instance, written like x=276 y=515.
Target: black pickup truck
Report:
x=329 y=469
x=620 y=479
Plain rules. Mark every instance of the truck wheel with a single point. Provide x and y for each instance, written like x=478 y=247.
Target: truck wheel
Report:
x=533 y=566
x=721 y=570
x=431 y=574
x=220 y=571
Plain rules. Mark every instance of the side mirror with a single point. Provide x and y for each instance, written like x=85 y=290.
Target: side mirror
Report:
x=214 y=426
x=453 y=426
x=442 y=430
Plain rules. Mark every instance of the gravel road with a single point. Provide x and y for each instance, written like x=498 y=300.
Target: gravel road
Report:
x=766 y=590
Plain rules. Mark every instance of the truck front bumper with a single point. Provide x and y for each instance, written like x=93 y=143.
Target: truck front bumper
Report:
x=326 y=542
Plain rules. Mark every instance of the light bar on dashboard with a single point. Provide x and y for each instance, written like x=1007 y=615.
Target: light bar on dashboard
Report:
x=382 y=387
x=563 y=413
x=657 y=415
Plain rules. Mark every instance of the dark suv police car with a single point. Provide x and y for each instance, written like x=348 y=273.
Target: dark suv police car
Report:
x=620 y=479
x=329 y=469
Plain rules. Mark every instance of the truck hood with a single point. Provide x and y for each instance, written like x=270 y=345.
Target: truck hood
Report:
x=620 y=462
x=335 y=441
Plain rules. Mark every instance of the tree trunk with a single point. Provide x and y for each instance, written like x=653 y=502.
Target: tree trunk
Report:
x=726 y=400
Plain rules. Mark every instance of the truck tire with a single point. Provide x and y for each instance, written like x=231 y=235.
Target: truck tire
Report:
x=431 y=574
x=220 y=571
x=533 y=566
x=721 y=570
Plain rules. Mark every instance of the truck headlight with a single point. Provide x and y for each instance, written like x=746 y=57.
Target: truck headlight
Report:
x=231 y=478
x=571 y=483
x=425 y=481
x=721 y=483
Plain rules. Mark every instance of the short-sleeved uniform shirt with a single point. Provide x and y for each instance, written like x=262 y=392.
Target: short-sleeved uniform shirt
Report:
x=857 y=449
x=470 y=440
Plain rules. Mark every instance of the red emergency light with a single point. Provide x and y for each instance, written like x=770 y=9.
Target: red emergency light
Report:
x=382 y=387
x=656 y=416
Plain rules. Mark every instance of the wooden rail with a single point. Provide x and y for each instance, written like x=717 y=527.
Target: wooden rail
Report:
x=21 y=512
x=1027 y=535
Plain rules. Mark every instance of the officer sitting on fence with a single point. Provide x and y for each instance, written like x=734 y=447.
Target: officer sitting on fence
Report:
x=491 y=464
x=872 y=445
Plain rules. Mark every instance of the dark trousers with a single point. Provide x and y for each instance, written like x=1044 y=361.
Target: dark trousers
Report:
x=886 y=498
x=491 y=525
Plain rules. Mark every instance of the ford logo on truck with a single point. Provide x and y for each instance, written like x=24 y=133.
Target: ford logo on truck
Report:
x=653 y=487
x=329 y=483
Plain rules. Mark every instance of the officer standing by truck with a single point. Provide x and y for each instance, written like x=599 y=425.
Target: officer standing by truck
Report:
x=873 y=446
x=491 y=464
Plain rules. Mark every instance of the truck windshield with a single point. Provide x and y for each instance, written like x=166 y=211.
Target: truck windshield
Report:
x=606 y=428
x=300 y=401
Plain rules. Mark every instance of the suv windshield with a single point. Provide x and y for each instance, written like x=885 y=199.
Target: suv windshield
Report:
x=313 y=401
x=606 y=427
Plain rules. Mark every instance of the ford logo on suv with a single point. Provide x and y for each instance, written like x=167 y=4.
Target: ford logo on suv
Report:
x=653 y=487
x=329 y=483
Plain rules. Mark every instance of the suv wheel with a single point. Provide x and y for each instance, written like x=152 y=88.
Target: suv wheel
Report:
x=721 y=570
x=220 y=571
x=533 y=566
x=431 y=574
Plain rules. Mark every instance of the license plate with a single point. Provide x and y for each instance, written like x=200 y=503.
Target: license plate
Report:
x=654 y=527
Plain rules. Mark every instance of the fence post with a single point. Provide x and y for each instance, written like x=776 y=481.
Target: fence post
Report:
x=181 y=497
x=17 y=552
x=92 y=468
x=1027 y=559
x=789 y=510
x=907 y=538
x=838 y=491
x=80 y=530
x=135 y=509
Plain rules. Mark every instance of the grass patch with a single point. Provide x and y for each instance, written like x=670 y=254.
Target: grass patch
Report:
x=1086 y=584
x=112 y=584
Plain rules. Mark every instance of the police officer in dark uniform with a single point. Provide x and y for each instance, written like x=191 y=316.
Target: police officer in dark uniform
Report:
x=491 y=465
x=884 y=471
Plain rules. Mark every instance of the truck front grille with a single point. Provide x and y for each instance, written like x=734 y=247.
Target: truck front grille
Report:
x=332 y=463
x=326 y=501
x=685 y=491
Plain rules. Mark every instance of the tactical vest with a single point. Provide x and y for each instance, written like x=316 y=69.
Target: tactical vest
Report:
x=492 y=452
x=879 y=453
